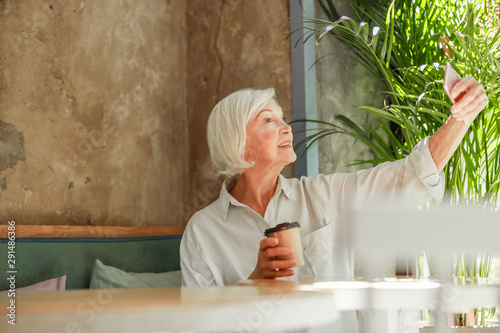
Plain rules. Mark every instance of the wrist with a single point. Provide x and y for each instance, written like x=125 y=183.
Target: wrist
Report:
x=253 y=275
x=445 y=141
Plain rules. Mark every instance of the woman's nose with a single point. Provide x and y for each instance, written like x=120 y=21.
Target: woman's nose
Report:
x=285 y=128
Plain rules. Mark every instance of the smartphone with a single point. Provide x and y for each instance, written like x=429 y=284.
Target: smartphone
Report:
x=450 y=79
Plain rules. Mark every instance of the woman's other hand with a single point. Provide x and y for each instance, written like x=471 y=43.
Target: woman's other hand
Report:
x=267 y=266
x=472 y=101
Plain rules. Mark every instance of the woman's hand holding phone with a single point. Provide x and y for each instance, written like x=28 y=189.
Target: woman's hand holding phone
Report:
x=467 y=95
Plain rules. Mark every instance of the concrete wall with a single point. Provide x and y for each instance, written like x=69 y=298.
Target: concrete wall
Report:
x=341 y=84
x=103 y=104
x=232 y=46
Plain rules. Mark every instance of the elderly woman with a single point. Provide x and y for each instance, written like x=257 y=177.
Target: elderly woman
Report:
x=250 y=143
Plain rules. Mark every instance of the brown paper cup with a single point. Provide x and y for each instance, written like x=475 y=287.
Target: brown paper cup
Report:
x=288 y=235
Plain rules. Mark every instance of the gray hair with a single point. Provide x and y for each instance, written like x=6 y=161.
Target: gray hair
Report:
x=226 y=128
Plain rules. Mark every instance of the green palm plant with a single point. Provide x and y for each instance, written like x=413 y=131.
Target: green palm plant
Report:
x=403 y=43
x=407 y=44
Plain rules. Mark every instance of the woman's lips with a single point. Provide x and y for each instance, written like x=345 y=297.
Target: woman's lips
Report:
x=285 y=145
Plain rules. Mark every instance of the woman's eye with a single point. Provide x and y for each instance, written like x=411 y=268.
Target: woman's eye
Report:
x=268 y=120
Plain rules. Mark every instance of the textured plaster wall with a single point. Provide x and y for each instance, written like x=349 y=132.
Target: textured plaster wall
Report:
x=341 y=84
x=233 y=44
x=103 y=104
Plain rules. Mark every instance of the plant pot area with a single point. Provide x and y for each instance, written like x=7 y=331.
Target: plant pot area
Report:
x=465 y=304
x=462 y=329
x=465 y=322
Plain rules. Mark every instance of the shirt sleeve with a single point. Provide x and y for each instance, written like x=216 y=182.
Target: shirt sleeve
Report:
x=414 y=180
x=195 y=271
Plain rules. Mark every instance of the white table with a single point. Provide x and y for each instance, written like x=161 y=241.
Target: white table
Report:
x=243 y=308
x=388 y=306
x=255 y=305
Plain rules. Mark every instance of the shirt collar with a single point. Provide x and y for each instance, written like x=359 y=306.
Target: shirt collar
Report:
x=225 y=199
x=284 y=185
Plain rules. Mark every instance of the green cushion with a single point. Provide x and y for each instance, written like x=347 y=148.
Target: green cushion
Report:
x=109 y=277
x=42 y=259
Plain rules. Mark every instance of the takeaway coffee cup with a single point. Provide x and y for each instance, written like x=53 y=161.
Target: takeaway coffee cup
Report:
x=288 y=235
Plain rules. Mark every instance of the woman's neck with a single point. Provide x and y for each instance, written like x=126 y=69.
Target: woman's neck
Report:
x=255 y=190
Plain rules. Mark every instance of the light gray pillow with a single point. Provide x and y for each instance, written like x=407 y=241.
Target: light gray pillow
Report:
x=109 y=277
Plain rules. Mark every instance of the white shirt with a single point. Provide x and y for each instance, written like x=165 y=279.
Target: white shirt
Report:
x=221 y=242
